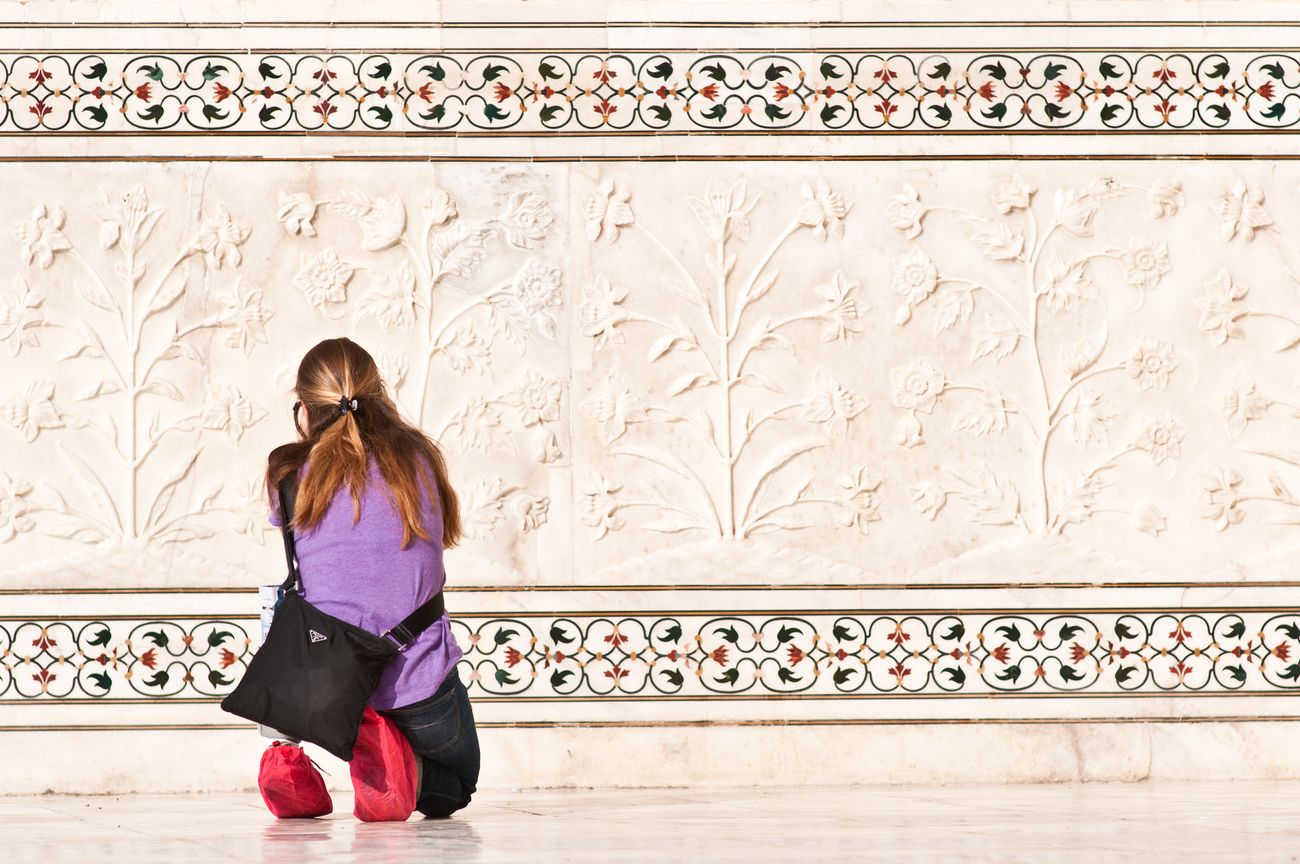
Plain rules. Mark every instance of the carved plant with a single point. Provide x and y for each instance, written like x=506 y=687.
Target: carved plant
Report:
x=1225 y=305
x=131 y=335
x=437 y=253
x=726 y=492
x=1006 y=327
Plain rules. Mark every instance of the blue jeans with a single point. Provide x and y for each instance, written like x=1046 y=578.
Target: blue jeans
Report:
x=442 y=734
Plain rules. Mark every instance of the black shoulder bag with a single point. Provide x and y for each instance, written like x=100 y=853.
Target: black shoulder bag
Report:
x=314 y=673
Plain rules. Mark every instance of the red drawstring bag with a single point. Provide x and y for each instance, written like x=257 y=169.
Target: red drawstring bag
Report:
x=290 y=784
x=384 y=771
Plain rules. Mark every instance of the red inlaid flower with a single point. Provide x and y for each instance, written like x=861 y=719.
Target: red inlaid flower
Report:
x=795 y=654
x=227 y=658
x=513 y=656
x=1282 y=652
x=142 y=92
x=502 y=92
x=221 y=90
x=1265 y=90
x=1180 y=633
x=709 y=91
x=149 y=658
x=719 y=655
x=1077 y=652
x=1001 y=653
x=986 y=90
x=781 y=91
x=615 y=638
x=1063 y=91
x=40 y=76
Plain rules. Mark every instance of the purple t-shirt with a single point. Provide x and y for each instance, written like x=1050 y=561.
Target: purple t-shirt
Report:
x=360 y=574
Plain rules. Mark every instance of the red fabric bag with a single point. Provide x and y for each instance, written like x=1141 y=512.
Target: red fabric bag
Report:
x=384 y=771
x=290 y=784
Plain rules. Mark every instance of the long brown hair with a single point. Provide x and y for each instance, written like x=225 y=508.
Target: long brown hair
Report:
x=338 y=445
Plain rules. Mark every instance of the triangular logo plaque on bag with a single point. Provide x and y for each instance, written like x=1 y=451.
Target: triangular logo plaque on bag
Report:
x=316 y=637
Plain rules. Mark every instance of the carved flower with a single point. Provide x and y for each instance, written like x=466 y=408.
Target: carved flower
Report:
x=1148 y=519
x=832 y=404
x=1217 y=499
x=1144 y=262
x=1219 y=309
x=467 y=350
x=1068 y=286
x=1242 y=212
x=904 y=212
x=1074 y=212
x=537 y=399
x=1151 y=363
x=526 y=219
x=907 y=431
x=1242 y=404
x=597 y=503
x=601 y=314
x=546 y=447
x=323 y=278
x=481 y=505
x=1166 y=197
x=531 y=295
x=917 y=385
x=859 y=505
x=439 y=207
x=1089 y=416
x=928 y=498
x=18 y=316
x=1160 y=436
x=13 y=509
x=242 y=311
x=219 y=239
x=607 y=211
x=227 y=410
x=1014 y=194
x=724 y=210
x=842 y=307
x=822 y=210
x=392 y=300
x=39 y=237
x=915 y=276
x=296 y=212
x=382 y=225
x=614 y=406
x=34 y=410
x=531 y=511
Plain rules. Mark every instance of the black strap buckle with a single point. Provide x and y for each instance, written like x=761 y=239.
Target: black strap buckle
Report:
x=401 y=635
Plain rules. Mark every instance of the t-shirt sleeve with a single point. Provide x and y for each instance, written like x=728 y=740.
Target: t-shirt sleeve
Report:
x=274 y=516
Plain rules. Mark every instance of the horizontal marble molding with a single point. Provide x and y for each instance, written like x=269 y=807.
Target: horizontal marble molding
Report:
x=562 y=92
x=739 y=655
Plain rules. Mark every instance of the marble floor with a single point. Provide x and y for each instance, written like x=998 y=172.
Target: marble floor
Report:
x=1152 y=822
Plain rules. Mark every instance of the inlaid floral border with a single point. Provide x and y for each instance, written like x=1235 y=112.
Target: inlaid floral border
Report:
x=576 y=91
x=716 y=655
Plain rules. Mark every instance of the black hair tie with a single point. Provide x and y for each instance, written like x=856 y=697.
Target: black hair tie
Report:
x=347 y=404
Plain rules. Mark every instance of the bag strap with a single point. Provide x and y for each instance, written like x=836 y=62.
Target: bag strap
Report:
x=288 y=495
x=407 y=630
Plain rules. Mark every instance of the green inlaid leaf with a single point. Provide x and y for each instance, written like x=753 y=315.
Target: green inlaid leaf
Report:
x=1236 y=672
x=557 y=635
x=210 y=72
x=715 y=113
x=267 y=71
x=492 y=72
x=154 y=72
x=1292 y=672
x=1011 y=631
x=661 y=113
x=943 y=112
x=435 y=113
x=997 y=112
x=216 y=637
x=829 y=111
x=1053 y=71
x=1012 y=674
x=786 y=675
x=504 y=677
x=957 y=674
x=153 y=112
x=941 y=70
x=728 y=677
x=1124 y=673
x=842 y=675
x=958 y=630
x=212 y=112
x=672 y=634
x=1218 y=70
x=827 y=70
x=1068 y=674
x=774 y=112
x=97 y=71
x=661 y=71
x=774 y=72
x=503 y=635
x=1291 y=630
x=159 y=638
x=492 y=112
x=840 y=632
x=1108 y=70
x=785 y=634
x=1275 y=111
x=159 y=679
x=267 y=113
x=728 y=633
x=1123 y=632
x=383 y=113
x=558 y=676
x=995 y=71
x=1068 y=631
x=435 y=71
x=216 y=679
x=1056 y=112
x=674 y=677
x=101 y=638
x=1221 y=112
x=1236 y=631
x=548 y=113
x=102 y=679
x=1273 y=69
x=547 y=71
x=382 y=70
x=715 y=72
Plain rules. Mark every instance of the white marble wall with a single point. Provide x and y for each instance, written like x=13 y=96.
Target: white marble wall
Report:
x=837 y=437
